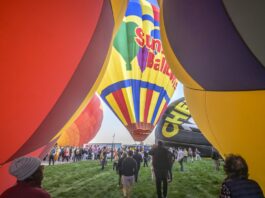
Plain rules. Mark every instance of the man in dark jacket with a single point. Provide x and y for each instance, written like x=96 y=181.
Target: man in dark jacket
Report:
x=138 y=158
x=119 y=166
x=146 y=156
x=129 y=168
x=161 y=166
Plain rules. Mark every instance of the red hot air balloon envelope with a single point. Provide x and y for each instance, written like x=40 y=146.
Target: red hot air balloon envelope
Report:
x=51 y=54
x=85 y=126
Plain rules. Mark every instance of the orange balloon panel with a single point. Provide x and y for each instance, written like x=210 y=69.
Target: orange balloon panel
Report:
x=51 y=54
x=70 y=137
x=85 y=127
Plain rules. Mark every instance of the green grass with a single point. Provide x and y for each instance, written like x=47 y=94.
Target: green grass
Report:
x=86 y=180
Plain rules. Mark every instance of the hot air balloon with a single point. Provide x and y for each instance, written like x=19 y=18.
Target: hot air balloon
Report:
x=52 y=58
x=177 y=128
x=138 y=82
x=85 y=127
x=217 y=50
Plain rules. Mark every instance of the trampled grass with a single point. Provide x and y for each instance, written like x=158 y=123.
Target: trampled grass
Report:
x=86 y=180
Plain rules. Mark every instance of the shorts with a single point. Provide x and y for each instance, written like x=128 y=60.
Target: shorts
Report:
x=127 y=180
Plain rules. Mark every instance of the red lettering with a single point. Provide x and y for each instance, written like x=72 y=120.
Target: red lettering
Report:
x=149 y=42
x=172 y=77
x=139 y=39
x=165 y=68
x=162 y=63
x=150 y=59
x=157 y=64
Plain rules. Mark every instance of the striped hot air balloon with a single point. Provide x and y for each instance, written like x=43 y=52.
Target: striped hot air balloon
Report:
x=138 y=83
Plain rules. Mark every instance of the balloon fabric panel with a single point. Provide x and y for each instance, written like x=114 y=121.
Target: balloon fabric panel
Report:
x=56 y=44
x=138 y=82
x=85 y=126
x=224 y=52
x=214 y=47
x=35 y=79
x=177 y=127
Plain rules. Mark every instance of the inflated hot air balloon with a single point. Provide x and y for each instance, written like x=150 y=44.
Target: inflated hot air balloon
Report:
x=177 y=128
x=51 y=54
x=85 y=127
x=138 y=82
x=217 y=50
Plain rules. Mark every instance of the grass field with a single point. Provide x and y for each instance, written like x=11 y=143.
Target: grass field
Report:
x=86 y=180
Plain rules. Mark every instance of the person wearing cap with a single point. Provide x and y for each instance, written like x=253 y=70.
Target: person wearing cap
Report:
x=29 y=174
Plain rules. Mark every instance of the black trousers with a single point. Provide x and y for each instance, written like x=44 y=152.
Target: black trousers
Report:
x=145 y=162
x=181 y=165
x=136 y=173
x=161 y=177
x=51 y=160
x=170 y=172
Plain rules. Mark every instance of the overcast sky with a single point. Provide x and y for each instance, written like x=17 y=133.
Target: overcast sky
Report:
x=111 y=124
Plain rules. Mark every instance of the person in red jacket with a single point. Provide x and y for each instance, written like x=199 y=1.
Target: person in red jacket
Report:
x=29 y=174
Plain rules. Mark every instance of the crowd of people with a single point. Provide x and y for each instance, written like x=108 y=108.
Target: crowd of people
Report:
x=61 y=154
x=127 y=163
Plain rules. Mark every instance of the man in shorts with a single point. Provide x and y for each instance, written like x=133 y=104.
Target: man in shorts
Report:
x=129 y=169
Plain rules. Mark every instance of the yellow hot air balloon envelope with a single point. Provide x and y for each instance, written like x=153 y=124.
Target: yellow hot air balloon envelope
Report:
x=138 y=83
x=219 y=57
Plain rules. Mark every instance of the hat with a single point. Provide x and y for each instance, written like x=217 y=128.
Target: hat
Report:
x=24 y=167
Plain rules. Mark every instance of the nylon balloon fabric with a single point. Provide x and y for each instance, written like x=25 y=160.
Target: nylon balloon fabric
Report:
x=52 y=58
x=216 y=49
x=177 y=128
x=138 y=83
x=85 y=127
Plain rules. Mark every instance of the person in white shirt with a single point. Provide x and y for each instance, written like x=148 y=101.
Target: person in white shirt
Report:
x=180 y=158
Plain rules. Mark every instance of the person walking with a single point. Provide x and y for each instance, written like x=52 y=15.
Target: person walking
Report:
x=171 y=163
x=190 y=154
x=103 y=157
x=180 y=158
x=215 y=157
x=161 y=164
x=129 y=168
x=146 y=156
x=197 y=154
x=119 y=167
x=52 y=155
x=138 y=158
